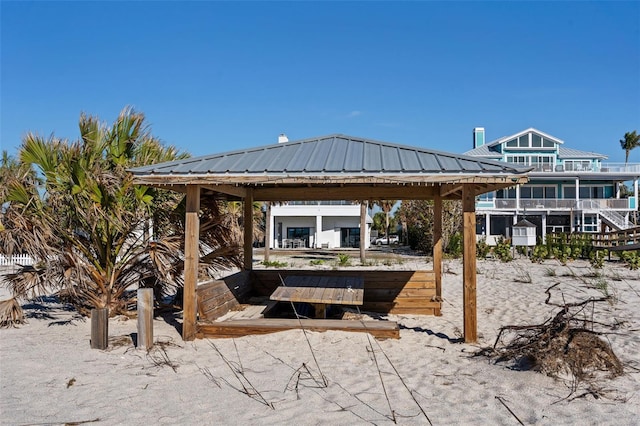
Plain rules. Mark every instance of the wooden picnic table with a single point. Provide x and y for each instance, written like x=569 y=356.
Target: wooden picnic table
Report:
x=321 y=291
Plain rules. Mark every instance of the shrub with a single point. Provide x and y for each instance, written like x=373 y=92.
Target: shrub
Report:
x=316 y=262
x=274 y=264
x=631 y=259
x=482 y=249
x=596 y=258
x=454 y=248
x=540 y=253
x=502 y=250
x=344 y=259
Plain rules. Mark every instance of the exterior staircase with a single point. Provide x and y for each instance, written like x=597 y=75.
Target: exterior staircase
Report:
x=614 y=219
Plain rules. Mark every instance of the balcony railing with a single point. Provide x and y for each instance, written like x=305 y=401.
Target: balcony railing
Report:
x=556 y=204
x=590 y=168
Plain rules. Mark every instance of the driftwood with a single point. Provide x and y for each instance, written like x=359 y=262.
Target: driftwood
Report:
x=565 y=346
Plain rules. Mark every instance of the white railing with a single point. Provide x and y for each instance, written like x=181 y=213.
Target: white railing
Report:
x=557 y=204
x=601 y=168
x=616 y=219
x=620 y=168
x=19 y=259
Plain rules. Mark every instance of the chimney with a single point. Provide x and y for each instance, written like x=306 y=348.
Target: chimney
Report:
x=478 y=137
x=283 y=138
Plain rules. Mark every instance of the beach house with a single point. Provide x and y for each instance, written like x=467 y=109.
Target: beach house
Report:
x=569 y=190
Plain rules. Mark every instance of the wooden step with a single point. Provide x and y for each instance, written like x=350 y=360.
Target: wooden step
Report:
x=244 y=327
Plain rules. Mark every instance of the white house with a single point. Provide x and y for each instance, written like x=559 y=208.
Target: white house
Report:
x=317 y=224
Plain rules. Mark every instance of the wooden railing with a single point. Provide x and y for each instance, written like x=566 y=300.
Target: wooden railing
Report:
x=627 y=239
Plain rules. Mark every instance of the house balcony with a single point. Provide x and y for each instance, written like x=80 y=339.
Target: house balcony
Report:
x=556 y=204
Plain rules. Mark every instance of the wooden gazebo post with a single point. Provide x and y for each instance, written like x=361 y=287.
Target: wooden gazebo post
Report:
x=469 y=261
x=248 y=230
x=363 y=231
x=267 y=231
x=437 y=246
x=191 y=262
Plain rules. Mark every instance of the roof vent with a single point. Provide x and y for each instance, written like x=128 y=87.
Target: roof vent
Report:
x=283 y=138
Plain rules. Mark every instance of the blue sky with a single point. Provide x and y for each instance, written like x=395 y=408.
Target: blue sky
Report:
x=217 y=76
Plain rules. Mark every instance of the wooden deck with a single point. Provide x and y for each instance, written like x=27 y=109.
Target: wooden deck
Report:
x=224 y=305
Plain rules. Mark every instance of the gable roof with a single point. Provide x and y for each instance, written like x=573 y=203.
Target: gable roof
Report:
x=516 y=135
x=489 y=150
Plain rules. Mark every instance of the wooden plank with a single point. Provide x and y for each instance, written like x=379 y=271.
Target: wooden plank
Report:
x=191 y=261
x=379 y=329
x=469 y=264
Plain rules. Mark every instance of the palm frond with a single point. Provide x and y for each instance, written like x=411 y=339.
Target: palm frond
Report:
x=11 y=313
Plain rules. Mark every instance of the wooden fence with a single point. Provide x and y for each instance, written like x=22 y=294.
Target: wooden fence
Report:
x=627 y=239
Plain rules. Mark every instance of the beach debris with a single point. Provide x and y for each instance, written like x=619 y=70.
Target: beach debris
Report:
x=566 y=346
x=499 y=398
x=10 y=313
x=247 y=387
x=71 y=382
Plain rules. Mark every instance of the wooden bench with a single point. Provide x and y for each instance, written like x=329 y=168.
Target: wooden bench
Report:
x=215 y=298
x=385 y=291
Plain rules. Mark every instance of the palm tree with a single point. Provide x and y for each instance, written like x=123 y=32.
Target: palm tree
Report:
x=92 y=233
x=631 y=141
x=386 y=206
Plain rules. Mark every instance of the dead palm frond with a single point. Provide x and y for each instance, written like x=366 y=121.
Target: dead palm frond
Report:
x=10 y=313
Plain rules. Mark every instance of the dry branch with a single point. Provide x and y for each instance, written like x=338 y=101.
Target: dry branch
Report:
x=564 y=346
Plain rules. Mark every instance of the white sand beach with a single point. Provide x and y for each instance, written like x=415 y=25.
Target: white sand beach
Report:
x=50 y=375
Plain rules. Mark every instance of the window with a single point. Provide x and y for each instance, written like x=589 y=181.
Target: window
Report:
x=549 y=192
x=547 y=143
x=569 y=192
x=536 y=141
x=513 y=143
x=506 y=193
x=538 y=192
x=523 y=141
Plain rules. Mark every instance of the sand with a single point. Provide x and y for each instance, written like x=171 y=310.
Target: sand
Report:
x=50 y=375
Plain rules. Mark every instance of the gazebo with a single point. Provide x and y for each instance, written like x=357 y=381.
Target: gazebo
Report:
x=334 y=167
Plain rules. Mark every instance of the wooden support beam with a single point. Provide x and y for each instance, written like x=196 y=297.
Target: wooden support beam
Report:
x=469 y=263
x=437 y=245
x=248 y=230
x=363 y=231
x=357 y=192
x=446 y=190
x=191 y=262
x=236 y=191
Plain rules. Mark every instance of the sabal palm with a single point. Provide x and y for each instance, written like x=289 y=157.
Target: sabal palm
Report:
x=87 y=225
x=386 y=206
x=631 y=141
